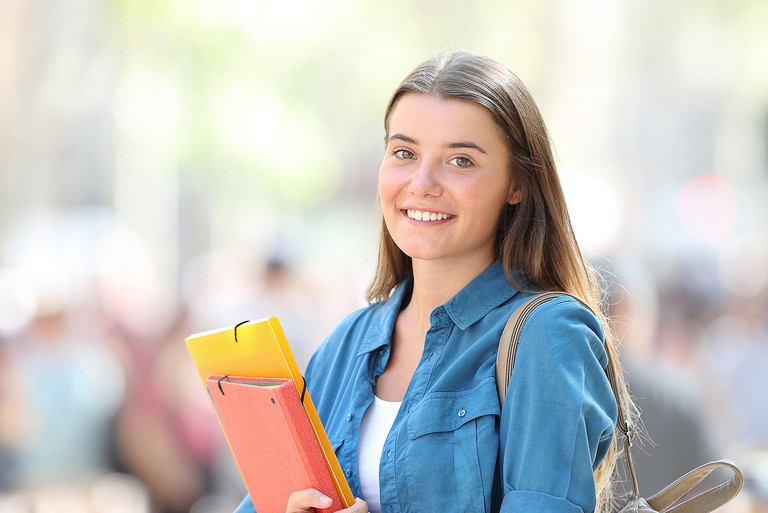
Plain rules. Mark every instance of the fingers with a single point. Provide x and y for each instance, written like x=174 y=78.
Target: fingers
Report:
x=360 y=506
x=305 y=501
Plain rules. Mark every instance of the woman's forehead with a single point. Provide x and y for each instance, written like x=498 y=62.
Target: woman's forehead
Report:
x=435 y=119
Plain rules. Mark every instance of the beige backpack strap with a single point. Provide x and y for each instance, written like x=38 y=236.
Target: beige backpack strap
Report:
x=706 y=501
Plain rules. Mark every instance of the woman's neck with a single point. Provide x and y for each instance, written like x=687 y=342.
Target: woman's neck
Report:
x=435 y=282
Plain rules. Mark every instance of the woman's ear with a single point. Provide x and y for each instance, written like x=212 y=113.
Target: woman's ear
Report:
x=515 y=195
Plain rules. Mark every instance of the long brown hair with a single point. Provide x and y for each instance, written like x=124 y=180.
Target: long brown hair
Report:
x=534 y=238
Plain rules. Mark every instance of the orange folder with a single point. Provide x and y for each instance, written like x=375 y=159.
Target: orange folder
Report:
x=260 y=349
x=264 y=421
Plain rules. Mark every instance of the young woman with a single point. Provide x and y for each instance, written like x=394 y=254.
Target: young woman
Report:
x=474 y=220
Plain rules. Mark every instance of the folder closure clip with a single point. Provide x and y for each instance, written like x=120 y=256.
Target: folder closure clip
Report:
x=219 y=383
x=237 y=326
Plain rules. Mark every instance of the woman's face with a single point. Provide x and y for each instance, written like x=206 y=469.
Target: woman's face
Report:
x=444 y=180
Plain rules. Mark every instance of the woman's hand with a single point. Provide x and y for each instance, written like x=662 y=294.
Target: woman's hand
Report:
x=306 y=501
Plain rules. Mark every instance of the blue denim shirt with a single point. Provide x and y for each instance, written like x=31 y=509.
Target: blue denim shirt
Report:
x=451 y=448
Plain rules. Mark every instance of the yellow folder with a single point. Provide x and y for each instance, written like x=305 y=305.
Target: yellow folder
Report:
x=259 y=349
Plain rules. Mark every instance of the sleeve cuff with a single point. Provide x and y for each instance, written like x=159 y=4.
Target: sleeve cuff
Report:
x=524 y=500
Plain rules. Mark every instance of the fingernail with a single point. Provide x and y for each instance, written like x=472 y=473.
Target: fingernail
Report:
x=326 y=500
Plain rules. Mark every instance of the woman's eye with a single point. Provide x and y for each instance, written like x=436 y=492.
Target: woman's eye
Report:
x=462 y=162
x=403 y=154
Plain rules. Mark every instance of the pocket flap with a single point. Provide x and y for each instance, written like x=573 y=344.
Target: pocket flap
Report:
x=447 y=411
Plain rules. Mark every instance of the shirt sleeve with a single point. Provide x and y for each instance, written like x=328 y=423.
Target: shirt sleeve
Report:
x=559 y=413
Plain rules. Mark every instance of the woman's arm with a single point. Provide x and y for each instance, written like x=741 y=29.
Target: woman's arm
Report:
x=559 y=412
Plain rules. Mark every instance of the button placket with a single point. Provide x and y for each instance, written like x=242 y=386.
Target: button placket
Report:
x=436 y=337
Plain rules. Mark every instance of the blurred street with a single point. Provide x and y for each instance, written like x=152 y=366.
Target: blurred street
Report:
x=173 y=167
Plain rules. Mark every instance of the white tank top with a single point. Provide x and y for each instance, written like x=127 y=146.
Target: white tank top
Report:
x=374 y=428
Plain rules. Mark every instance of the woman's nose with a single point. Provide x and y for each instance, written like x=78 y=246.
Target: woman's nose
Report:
x=425 y=179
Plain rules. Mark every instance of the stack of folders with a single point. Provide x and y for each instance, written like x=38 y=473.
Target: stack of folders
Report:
x=267 y=415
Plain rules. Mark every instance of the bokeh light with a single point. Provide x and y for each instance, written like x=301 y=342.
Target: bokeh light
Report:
x=708 y=207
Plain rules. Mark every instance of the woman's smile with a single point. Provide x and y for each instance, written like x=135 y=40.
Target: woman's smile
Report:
x=420 y=215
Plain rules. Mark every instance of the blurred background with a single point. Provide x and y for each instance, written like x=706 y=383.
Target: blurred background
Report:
x=168 y=167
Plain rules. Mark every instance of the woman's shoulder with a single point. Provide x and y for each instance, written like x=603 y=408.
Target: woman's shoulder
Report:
x=564 y=326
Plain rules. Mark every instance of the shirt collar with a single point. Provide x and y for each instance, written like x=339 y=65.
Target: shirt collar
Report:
x=488 y=290
x=379 y=332
x=484 y=293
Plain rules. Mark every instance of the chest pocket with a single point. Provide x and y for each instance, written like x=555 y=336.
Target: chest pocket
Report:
x=450 y=454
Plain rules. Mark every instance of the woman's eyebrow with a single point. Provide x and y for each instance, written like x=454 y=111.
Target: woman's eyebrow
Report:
x=458 y=144
x=404 y=138
x=467 y=144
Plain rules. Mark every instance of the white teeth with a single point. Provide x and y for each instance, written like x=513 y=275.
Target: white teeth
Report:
x=418 y=215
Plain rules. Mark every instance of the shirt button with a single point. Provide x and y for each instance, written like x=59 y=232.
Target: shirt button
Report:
x=387 y=453
x=430 y=356
x=462 y=412
x=347 y=472
x=349 y=416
